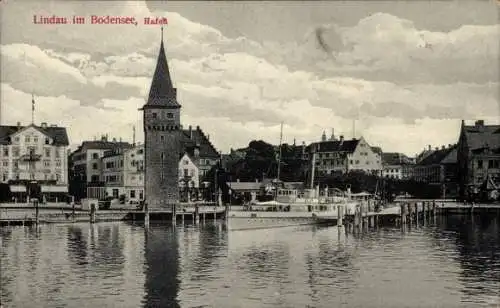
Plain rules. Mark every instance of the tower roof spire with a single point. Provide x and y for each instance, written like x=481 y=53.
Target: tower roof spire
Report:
x=162 y=92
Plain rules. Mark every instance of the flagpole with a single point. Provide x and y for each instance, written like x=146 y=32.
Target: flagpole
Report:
x=32 y=109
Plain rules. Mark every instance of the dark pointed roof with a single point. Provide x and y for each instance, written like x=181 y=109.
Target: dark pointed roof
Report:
x=162 y=92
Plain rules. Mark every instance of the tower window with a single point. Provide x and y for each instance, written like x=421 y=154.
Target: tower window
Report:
x=154 y=115
x=170 y=115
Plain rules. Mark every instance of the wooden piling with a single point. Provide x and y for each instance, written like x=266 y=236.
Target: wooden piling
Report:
x=37 y=212
x=196 y=213
x=174 y=214
x=146 y=215
x=403 y=214
x=226 y=212
x=92 y=212
x=73 y=212
x=356 y=216
x=339 y=216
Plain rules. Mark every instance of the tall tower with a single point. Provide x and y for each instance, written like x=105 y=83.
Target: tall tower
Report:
x=162 y=143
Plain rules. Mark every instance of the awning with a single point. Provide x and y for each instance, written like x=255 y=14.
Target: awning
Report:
x=54 y=188
x=17 y=188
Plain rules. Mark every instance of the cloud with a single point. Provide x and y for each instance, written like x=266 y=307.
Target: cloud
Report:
x=380 y=72
x=385 y=47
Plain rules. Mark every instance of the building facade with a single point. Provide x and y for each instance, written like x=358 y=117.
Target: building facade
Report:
x=397 y=166
x=478 y=156
x=34 y=153
x=162 y=138
x=439 y=168
x=86 y=165
x=339 y=156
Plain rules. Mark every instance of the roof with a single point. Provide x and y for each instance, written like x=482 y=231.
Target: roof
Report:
x=394 y=158
x=245 y=185
x=441 y=156
x=336 y=146
x=58 y=134
x=482 y=136
x=377 y=150
x=162 y=93
x=193 y=137
x=103 y=145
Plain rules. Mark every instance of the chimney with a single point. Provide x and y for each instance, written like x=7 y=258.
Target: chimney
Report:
x=190 y=132
x=430 y=148
x=479 y=123
x=120 y=139
x=436 y=148
x=332 y=138
x=449 y=145
x=443 y=147
x=197 y=127
x=114 y=139
x=103 y=138
x=323 y=136
x=44 y=124
x=18 y=124
x=106 y=136
x=341 y=138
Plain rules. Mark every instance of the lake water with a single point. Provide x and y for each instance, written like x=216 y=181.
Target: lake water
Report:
x=455 y=263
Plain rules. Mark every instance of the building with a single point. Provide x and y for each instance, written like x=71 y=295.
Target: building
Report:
x=478 y=155
x=34 y=153
x=123 y=172
x=341 y=156
x=439 y=168
x=197 y=145
x=397 y=166
x=162 y=138
x=85 y=164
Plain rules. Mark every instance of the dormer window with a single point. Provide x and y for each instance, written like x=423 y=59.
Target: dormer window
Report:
x=170 y=115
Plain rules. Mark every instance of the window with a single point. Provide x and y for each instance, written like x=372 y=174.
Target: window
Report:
x=45 y=176
x=58 y=177
x=350 y=161
x=132 y=194
x=141 y=195
x=58 y=163
x=186 y=172
x=191 y=173
x=17 y=176
x=140 y=151
x=15 y=152
x=35 y=139
x=16 y=139
x=121 y=163
x=162 y=138
x=162 y=156
x=115 y=193
x=47 y=141
x=357 y=162
x=94 y=166
x=170 y=115
x=57 y=154
x=46 y=163
x=162 y=175
x=27 y=139
x=95 y=156
x=4 y=177
x=186 y=162
x=5 y=151
x=47 y=152
x=31 y=151
x=480 y=164
x=5 y=163
x=154 y=115
x=132 y=178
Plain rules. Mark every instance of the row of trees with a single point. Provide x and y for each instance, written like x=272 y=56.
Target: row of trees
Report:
x=261 y=161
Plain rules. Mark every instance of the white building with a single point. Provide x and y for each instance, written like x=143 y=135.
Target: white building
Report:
x=341 y=156
x=34 y=153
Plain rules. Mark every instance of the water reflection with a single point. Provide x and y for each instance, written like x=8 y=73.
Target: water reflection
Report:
x=477 y=240
x=161 y=266
x=454 y=263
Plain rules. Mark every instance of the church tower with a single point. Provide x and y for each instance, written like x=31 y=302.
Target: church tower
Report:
x=162 y=143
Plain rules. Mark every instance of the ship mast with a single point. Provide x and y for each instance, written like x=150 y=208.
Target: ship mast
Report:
x=279 y=155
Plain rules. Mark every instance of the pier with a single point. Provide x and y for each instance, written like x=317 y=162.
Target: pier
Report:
x=411 y=212
x=29 y=215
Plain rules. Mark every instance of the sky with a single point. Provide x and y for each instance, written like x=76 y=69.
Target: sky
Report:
x=401 y=74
